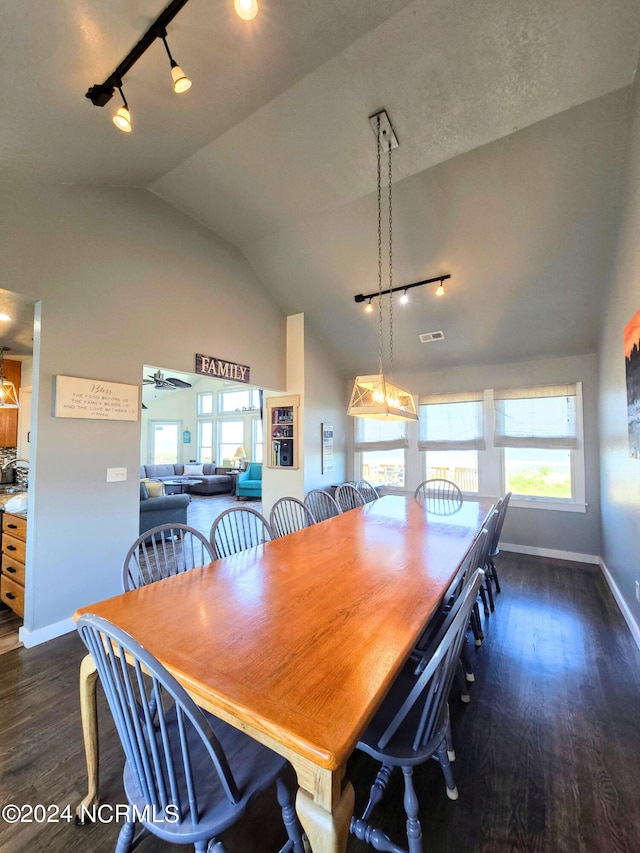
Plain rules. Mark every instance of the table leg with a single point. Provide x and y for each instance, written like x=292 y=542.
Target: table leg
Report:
x=89 y=716
x=326 y=813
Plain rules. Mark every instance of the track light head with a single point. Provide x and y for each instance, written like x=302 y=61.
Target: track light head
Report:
x=369 y=307
x=404 y=298
x=181 y=82
x=122 y=116
x=440 y=289
x=246 y=9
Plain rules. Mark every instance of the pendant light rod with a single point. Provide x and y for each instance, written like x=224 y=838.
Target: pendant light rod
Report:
x=362 y=297
x=101 y=93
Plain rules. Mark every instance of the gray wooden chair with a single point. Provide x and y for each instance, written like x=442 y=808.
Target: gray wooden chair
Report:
x=237 y=529
x=187 y=776
x=412 y=726
x=165 y=550
x=494 y=550
x=321 y=505
x=288 y=515
x=348 y=497
x=439 y=496
x=368 y=491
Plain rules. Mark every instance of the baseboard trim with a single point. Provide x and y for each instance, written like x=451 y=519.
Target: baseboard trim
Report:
x=622 y=604
x=49 y=632
x=552 y=553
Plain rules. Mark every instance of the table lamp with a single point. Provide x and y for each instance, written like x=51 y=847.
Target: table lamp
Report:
x=240 y=456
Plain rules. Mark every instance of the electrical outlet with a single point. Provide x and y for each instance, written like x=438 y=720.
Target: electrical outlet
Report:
x=116 y=475
x=638 y=590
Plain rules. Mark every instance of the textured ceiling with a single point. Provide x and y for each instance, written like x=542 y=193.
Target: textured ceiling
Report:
x=511 y=117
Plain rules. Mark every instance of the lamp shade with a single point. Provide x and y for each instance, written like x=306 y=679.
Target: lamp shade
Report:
x=8 y=395
x=374 y=397
x=240 y=453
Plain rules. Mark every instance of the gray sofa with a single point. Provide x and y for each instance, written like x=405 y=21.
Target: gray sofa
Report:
x=168 y=509
x=215 y=481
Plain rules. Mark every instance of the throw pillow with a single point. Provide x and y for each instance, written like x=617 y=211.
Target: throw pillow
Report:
x=193 y=470
x=155 y=488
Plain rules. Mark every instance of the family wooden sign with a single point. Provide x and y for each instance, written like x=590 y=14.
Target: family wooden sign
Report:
x=208 y=365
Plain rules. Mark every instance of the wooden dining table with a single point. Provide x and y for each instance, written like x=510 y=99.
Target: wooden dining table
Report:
x=297 y=641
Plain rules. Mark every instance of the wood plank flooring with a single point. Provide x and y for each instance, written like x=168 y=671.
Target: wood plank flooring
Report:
x=548 y=750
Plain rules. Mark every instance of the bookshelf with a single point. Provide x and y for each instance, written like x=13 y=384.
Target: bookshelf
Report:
x=282 y=432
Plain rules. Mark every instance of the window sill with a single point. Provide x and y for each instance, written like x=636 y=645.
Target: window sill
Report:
x=540 y=503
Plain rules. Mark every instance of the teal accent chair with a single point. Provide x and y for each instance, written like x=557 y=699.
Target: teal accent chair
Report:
x=249 y=482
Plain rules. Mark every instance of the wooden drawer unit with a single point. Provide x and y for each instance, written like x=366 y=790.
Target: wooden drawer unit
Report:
x=12 y=594
x=14 y=546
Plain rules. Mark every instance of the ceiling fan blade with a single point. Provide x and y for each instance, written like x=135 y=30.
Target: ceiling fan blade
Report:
x=178 y=383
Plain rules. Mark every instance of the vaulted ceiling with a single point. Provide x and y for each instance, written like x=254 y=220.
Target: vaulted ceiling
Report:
x=511 y=117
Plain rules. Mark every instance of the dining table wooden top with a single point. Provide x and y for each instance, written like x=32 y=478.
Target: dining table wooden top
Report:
x=299 y=639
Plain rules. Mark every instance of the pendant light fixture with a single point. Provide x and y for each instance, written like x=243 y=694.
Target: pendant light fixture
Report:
x=122 y=116
x=181 y=82
x=377 y=396
x=8 y=393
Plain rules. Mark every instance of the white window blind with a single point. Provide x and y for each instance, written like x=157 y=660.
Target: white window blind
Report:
x=372 y=434
x=451 y=421
x=536 y=417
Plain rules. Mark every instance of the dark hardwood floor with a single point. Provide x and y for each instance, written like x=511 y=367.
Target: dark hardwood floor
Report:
x=548 y=750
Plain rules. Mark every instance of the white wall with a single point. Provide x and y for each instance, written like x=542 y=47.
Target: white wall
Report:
x=620 y=475
x=124 y=280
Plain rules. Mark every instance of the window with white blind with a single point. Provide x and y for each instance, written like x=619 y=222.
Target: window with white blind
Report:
x=527 y=440
x=451 y=431
x=538 y=429
x=380 y=451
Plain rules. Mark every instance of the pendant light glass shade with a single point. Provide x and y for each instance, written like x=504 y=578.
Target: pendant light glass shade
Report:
x=122 y=120
x=376 y=397
x=246 y=9
x=180 y=80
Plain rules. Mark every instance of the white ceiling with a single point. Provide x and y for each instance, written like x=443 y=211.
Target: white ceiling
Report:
x=511 y=117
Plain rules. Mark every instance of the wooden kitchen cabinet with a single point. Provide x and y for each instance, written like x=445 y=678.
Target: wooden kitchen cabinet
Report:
x=9 y=417
x=14 y=546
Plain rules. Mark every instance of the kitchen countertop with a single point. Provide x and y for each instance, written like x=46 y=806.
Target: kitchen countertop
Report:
x=5 y=498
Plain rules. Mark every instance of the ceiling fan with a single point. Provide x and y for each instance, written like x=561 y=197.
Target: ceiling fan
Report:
x=165 y=383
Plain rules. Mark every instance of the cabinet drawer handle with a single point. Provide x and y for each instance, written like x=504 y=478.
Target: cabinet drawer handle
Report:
x=12 y=526
x=10 y=569
x=10 y=595
x=11 y=548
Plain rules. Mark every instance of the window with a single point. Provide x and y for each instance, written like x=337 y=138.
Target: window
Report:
x=230 y=438
x=243 y=400
x=381 y=448
x=527 y=441
x=205 y=403
x=164 y=441
x=205 y=441
x=257 y=440
x=451 y=431
x=537 y=427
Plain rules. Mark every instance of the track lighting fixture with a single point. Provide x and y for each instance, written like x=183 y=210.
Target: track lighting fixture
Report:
x=122 y=116
x=369 y=308
x=181 y=82
x=101 y=93
x=362 y=297
x=246 y=9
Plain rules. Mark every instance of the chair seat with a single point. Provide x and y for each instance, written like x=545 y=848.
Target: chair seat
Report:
x=255 y=768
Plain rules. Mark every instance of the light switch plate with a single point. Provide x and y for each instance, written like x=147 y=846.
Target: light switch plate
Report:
x=116 y=475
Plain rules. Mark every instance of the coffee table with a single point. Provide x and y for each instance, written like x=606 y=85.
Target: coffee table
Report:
x=181 y=482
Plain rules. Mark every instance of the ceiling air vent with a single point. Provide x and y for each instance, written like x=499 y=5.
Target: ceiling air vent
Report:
x=428 y=337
